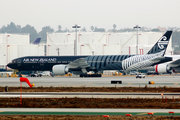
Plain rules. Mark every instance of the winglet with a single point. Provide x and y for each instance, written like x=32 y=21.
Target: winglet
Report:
x=161 y=44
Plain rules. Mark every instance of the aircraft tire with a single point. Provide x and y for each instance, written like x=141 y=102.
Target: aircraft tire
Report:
x=84 y=75
x=92 y=75
x=96 y=75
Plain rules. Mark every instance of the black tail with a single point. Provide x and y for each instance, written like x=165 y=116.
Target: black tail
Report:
x=37 y=41
x=161 y=44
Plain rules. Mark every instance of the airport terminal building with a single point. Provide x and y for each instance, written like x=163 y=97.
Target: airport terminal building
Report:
x=88 y=43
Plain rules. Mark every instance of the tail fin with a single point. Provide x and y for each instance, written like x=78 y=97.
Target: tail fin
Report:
x=161 y=44
x=37 y=41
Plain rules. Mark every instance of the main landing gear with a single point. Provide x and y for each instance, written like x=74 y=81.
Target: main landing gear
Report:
x=90 y=75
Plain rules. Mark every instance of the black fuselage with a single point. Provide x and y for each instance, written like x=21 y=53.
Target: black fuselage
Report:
x=45 y=63
x=40 y=63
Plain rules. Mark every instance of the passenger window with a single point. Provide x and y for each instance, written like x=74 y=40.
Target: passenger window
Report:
x=64 y=61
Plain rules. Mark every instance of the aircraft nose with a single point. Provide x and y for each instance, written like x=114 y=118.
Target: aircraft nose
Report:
x=11 y=65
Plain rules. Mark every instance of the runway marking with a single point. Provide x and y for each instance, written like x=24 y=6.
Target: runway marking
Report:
x=142 y=114
x=79 y=86
x=22 y=95
x=175 y=83
x=145 y=113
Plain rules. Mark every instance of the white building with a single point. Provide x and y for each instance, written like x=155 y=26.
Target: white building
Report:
x=17 y=45
x=95 y=43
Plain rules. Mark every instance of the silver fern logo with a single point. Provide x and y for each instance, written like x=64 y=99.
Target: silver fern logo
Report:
x=162 y=42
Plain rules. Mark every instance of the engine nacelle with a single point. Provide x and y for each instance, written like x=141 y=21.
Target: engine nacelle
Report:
x=60 y=69
x=162 y=68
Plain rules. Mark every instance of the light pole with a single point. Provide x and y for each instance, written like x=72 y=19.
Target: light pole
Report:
x=67 y=37
x=81 y=50
x=7 y=48
x=103 y=48
x=137 y=38
x=58 y=51
x=76 y=26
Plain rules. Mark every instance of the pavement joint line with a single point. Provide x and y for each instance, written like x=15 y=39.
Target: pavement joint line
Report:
x=175 y=83
x=77 y=86
x=142 y=113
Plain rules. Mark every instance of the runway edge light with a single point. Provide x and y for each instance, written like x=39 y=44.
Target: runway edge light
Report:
x=171 y=112
x=107 y=116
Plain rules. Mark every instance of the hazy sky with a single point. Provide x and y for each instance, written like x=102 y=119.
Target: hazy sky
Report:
x=100 y=13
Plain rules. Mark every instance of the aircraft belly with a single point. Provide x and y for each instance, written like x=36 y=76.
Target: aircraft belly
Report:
x=113 y=66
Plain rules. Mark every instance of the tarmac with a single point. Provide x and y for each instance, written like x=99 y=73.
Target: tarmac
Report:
x=88 y=95
x=74 y=111
x=127 y=81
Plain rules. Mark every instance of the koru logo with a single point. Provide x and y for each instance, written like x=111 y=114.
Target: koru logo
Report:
x=162 y=41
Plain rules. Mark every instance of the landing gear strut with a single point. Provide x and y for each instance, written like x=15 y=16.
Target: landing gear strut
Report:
x=92 y=75
x=20 y=75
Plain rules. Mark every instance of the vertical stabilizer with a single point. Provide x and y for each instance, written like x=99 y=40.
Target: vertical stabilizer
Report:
x=37 y=41
x=161 y=44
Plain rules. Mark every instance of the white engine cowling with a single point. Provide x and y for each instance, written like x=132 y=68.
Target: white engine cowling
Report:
x=162 y=68
x=60 y=69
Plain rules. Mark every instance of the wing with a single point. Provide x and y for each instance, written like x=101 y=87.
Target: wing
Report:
x=175 y=63
x=79 y=63
x=160 y=60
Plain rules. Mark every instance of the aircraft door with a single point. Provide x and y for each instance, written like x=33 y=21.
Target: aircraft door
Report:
x=19 y=62
x=41 y=64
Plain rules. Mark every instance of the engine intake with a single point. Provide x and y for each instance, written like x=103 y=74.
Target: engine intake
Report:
x=162 y=68
x=60 y=69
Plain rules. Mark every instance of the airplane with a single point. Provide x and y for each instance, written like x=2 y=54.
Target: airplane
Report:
x=37 y=41
x=81 y=65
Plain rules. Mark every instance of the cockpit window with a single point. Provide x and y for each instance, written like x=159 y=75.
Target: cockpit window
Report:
x=14 y=61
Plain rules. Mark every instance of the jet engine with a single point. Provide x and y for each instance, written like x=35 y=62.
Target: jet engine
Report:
x=60 y=69
x=162 y=68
